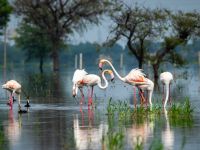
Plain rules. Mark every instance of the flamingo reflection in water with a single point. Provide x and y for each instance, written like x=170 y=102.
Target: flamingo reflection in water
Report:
x=88 y=136
x=13 y=129
x=167 y=134
x=138 y=134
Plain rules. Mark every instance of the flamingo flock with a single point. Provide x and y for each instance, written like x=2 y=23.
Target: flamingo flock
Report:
x=136 y=78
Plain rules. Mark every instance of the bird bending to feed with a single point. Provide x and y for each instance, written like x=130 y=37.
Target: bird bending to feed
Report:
x=149 y=87
x=166 y=79
x=14 y=87
x=135 y=77
x=81 y=78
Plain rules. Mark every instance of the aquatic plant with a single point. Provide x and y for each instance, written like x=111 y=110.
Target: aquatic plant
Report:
x=114 y=140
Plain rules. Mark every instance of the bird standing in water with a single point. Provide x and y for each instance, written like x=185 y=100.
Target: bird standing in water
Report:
x=15 y=88
x=84 y=79
x=166 y=79
x=135 y=77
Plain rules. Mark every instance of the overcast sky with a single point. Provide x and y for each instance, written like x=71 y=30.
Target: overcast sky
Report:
x=100 y=33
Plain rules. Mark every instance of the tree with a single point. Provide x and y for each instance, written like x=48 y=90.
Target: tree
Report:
x=5 y=10
x=60 y=18
x=183 y=26
x=137 y=25
x=140 y=26
x=34 y=42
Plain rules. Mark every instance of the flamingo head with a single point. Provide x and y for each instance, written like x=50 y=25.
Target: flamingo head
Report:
x=110 y=72
x=101 y=62
x=4 y=86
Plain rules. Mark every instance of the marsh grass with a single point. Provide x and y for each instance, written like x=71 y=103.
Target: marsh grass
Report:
x=121 y=114
x=179 y=114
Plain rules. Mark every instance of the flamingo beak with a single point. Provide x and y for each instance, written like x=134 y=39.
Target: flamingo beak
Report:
x=100 y=66
x=112 y=77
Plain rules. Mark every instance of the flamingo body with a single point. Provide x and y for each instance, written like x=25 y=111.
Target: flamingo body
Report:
x=89 y=80
x=149 y=86
x=166 y=79
x=14 y=87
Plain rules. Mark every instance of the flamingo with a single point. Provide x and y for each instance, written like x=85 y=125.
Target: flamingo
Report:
x=91 y=80
x=166 y=79
x=135 y=77
x=149 y=87
x=14 y=87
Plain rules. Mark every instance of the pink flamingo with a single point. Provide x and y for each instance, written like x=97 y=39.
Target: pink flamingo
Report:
x=81 y=79
x=166 y=79
x=14 y=87
x=135 y=77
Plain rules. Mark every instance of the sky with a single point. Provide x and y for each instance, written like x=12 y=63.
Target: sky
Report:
x=100 y=33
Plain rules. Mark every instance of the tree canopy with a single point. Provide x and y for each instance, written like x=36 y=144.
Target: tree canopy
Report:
x=61 y=18
x=5 y=10
x=140 y=26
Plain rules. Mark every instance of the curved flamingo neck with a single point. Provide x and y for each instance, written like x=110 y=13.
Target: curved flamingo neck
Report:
x=167 y=94
x=104 y=79
x=150 y=97
x=113 y=68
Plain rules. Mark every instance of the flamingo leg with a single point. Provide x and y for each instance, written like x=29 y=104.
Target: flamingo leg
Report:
x=88 y=96
x=146 y=97
x=91 y=102
x=170 y=100
x=142 y=97
x=134 y=99
x=10 y=102
x=19 y=102
x=82 y=96
x=163 y=93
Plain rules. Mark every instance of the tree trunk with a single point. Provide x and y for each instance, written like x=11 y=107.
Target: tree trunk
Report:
x=140 y=61
x=55 y=57
x=156 y=76
x=41 y=64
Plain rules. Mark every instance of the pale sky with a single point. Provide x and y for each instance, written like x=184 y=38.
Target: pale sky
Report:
x=100 y=33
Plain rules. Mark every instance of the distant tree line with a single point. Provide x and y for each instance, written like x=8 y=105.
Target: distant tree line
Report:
x=46 y=26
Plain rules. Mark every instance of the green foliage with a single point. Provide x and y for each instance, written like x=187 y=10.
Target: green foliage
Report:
x=5 y=10
x=114 y=140
x=33 y=41
x=181 y=115
x=156 y=145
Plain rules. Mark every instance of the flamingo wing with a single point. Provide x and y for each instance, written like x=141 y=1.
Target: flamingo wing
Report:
x=90 y=79
x=78 y=75
x=136 y=76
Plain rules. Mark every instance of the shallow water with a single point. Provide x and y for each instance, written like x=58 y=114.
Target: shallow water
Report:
x=55 y=119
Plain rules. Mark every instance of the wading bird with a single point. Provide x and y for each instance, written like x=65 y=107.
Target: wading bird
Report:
x=14 y=87
x=91 y=80
x=149 y=86
x=135 y=77
x=166 y=79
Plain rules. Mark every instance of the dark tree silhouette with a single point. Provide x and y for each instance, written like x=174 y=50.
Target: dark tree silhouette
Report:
x=61 y=18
